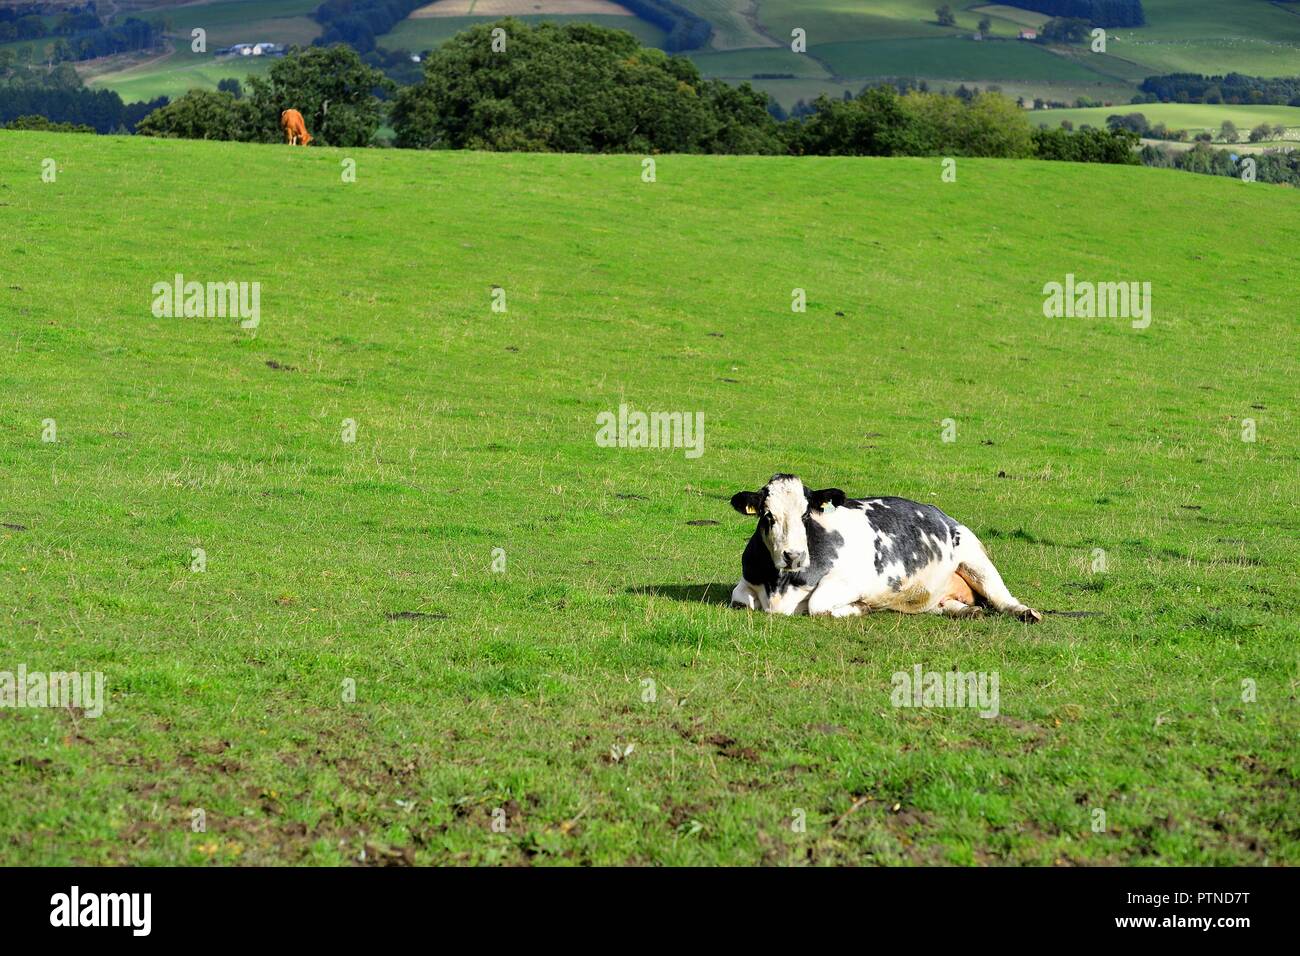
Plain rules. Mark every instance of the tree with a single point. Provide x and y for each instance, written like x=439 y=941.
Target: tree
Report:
x=332 y=88
x=1136 y=122
x=985 y=26
x=201 y=114
x=1087 y=145
x=42 y=124
x=231 y=85
x=578 y=88
x=1065 y=30
x=945 y=16
x=1228 y=132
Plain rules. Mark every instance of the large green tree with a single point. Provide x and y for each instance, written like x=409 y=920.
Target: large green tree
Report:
x=201 y=114
x=330 y=86
x=579 y=89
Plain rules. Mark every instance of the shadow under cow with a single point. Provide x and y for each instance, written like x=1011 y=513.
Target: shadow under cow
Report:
x=690 y=593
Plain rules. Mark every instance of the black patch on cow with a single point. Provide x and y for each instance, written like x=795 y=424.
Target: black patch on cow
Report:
x=819 y=499
x=912 y=535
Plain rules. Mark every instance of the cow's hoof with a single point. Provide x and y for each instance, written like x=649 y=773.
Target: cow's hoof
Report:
x=736 y=605
x=1028 y=615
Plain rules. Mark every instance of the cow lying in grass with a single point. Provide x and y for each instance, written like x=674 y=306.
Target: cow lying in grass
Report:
x=817 y=552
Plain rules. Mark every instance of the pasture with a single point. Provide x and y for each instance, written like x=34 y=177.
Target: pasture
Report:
x=534 y=628
x=1193 y=117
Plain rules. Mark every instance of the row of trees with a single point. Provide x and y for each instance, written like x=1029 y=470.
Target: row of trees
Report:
x=686 y=30
x=1099 y=13
x=1269 y=167
x=60 y=96
x=358 y=22
x=78 y=33
x=1086 y=145
x=1234 y=88
x=1228 y=132
x=585 y=89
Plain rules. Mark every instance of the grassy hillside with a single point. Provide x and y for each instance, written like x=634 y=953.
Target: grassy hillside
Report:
x=479 y=691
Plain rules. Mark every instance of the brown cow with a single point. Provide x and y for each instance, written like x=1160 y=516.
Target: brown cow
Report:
x=295 y=130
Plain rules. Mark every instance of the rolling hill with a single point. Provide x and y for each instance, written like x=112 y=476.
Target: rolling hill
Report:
x=849 y=44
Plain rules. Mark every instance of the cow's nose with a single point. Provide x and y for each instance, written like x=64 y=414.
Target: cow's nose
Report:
x=792 y=558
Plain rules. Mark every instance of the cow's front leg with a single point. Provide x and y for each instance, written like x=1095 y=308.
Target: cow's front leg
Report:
x=744 y=597
x=788 y=601
x=836 y=597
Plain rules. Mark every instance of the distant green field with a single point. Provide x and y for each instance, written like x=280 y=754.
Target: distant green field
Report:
x=1193 y=117
x=742 y=64
x=226 y=22
x=427 y=33
x=840 y=21
x=953 y=58
x=1214 y=36
x=347 y=680
x=734 y=24
x=178 y=73
x=1015 y=18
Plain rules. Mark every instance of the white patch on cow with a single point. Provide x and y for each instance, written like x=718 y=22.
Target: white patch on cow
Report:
x=787 y=502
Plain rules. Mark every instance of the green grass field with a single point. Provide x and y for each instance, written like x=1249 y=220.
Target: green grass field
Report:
x=178 y=73
x=1193 y=117
x=1215 y=37
x=478 y=690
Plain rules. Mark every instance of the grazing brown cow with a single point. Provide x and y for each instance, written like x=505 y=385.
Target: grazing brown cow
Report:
x=295 y=130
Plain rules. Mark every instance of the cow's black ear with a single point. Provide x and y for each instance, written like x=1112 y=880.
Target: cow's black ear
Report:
x=827 y=496
x=746 y=502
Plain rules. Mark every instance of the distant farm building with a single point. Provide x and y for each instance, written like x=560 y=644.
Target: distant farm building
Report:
x=1029 y=34
x=252 y=49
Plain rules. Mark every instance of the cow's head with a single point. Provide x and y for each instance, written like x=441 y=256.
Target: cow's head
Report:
x=784 y=508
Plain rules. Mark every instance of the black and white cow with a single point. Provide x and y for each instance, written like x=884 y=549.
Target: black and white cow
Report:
x=818 y=552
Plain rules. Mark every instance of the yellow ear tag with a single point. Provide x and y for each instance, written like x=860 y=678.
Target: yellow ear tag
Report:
x=749 y=510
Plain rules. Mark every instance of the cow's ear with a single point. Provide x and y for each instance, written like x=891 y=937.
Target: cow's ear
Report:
x=827 y=496
x=746 y=502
